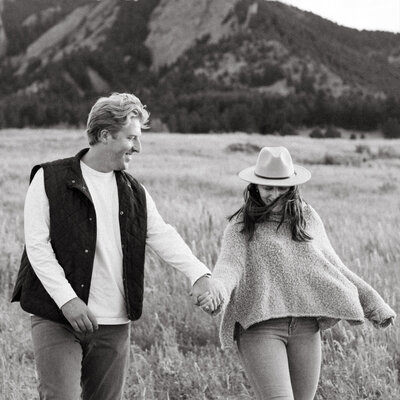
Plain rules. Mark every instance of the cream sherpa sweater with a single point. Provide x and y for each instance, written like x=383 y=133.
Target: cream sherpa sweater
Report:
x=273 y=276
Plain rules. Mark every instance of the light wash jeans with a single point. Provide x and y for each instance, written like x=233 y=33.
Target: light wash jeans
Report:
x=282 y=357
x=70 y=364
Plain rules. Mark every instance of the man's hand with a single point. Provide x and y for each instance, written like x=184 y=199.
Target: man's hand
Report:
x=207 y=290
x=79 y=316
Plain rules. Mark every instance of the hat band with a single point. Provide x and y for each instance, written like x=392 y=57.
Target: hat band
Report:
x=267 y=177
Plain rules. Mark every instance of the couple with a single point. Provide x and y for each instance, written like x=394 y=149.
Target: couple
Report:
x=278 y=281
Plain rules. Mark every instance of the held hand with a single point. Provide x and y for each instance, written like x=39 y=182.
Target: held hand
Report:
x=79 y=316
x=207 y=291
x=204 y=301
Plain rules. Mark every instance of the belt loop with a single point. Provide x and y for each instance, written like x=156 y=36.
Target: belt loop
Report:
x=292 y=324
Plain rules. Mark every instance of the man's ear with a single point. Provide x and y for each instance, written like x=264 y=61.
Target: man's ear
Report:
x=104 y=135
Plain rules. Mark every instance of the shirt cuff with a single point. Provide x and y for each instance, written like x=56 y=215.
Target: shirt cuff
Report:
x=64 y=296
x=195 y=274
x=208 y=275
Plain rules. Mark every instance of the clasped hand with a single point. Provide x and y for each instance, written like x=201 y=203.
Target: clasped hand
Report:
x=207 y=295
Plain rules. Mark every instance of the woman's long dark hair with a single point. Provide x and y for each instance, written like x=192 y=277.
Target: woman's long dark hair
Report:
x=254 y=211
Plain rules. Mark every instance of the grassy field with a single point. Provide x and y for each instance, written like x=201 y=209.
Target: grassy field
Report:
x=175 y=352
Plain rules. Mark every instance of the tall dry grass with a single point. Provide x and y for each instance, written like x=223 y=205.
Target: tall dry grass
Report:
x=175 y=352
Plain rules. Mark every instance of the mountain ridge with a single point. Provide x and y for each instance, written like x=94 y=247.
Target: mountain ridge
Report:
x=173 y=51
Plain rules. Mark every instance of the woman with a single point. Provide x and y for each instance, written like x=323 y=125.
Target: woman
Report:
x=282 y=282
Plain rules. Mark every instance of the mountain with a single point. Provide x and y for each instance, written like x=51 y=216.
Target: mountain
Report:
x=3 y=39
x=200 y=65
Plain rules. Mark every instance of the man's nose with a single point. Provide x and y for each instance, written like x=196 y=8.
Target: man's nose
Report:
x=137 y=146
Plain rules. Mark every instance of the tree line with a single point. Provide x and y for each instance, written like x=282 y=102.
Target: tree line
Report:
x=205 y=112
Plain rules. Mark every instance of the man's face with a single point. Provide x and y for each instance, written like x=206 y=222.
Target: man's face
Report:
x=124 y=144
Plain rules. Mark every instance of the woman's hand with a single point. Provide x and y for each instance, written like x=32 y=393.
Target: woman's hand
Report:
x=212 y=300
x=382 y=317
x=384 y=324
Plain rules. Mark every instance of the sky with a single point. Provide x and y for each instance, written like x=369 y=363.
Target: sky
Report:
x=383 y=15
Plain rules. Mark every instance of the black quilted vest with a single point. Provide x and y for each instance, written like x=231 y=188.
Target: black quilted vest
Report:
x=73 y=238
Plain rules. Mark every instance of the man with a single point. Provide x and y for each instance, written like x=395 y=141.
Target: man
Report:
x=87 y=223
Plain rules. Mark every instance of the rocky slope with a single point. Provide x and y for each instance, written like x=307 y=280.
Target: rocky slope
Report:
x=170 y=51
x=176 y=25
x=85 y=27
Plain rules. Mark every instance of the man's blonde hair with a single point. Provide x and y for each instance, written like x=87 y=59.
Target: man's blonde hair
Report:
x=110 y=113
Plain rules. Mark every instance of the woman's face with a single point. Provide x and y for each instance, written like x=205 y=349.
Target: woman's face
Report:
x=269 y=193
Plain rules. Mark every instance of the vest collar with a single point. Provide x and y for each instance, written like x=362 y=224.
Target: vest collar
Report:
x=75 y=178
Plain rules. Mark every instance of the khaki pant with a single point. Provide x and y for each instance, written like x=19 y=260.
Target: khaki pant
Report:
x=71 y=364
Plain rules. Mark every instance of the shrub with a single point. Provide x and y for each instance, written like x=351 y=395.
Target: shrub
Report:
x=332 y=132
x=334 y=159
x=363 y=149
x=243 y=147
x=288 y=130
x=269 y=75
x=387 y=152
x=391 y=129
x=353 y=136
x=387 y=187
x=316 y=134
x=338 y=158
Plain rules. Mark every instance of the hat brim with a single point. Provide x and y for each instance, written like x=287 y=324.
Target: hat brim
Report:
x=301 y=175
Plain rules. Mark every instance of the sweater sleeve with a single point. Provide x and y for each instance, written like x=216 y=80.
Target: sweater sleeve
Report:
x=375 y=308
x=231 y=260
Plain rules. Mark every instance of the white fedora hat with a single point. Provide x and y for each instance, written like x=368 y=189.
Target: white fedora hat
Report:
x=275 y=168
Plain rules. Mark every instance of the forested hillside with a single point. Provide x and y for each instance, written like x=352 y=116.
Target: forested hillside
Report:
x=246 y=65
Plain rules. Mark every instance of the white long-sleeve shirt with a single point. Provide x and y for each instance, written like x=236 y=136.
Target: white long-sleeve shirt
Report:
x=106 y=296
